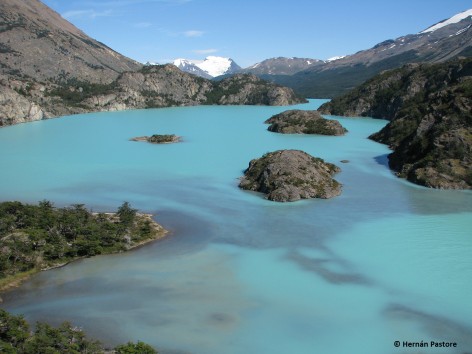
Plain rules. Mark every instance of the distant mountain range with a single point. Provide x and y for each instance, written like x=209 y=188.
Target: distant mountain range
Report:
x=448 y=39
x=213 y=66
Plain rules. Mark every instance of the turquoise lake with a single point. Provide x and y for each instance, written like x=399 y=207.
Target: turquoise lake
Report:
x=386 y=261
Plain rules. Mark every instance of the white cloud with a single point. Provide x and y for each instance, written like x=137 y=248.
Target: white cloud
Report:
x=85 y=14
x=108 y=7
x=116 y=3
x=193 y=33
x=205 y=51
x=143 y=25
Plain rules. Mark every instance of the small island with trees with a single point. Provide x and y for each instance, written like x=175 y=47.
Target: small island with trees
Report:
x=290 y=175
x=298 y=121
x=159 y=139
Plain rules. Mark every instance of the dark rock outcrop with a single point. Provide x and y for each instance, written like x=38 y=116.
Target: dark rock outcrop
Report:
x=290 y=175
x=430 y=112
x=304 y=122
x=158 y=139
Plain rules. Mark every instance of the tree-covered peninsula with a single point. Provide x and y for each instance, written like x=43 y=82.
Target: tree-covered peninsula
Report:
x=39 y=237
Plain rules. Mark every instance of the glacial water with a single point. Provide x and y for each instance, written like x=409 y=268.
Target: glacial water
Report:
x=386 y=261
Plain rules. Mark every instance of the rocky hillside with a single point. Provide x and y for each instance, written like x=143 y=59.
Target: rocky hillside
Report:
x=49 y=68
x=290 y=175
x=40 y=51
x=296 y=121
x=38 y=43
x=430 y=111
x=166 y=85
x=250 y=90
x=451 y=39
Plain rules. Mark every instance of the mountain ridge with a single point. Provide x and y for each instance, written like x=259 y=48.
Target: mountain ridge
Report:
x=329 y=79
x=37 y=42
x=282 y=66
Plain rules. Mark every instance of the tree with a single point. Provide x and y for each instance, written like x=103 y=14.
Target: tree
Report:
x=126 y=214
x=16 y=338
x=145 y=229
x=45 y=213
x=14 y=330
x=135 y=348
x=64 y=339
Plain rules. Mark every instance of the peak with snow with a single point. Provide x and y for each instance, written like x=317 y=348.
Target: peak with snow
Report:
x=181 y=62
x=335 y=58
x=454 y=19
x=216 y=66
x=211 y=67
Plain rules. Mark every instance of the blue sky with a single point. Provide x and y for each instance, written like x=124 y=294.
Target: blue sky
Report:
x=250 y=31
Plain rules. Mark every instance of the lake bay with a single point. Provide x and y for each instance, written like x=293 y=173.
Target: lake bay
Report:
x=386 y=261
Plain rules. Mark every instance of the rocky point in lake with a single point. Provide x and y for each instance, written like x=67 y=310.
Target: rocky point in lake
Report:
x=297 y=121
x=290 y=175
x=158 y=138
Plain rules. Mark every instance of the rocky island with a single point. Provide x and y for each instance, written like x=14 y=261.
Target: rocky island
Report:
x=430 y=130
x=298 y=121
x=290 y=175
x=159 y=138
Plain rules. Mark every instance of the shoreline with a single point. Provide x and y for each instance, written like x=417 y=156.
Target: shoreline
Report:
x=14 y=281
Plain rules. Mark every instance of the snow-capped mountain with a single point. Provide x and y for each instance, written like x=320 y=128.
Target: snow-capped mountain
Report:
x=191 y=67
x=216 y=66
x=211 y=67
x=454 y=19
